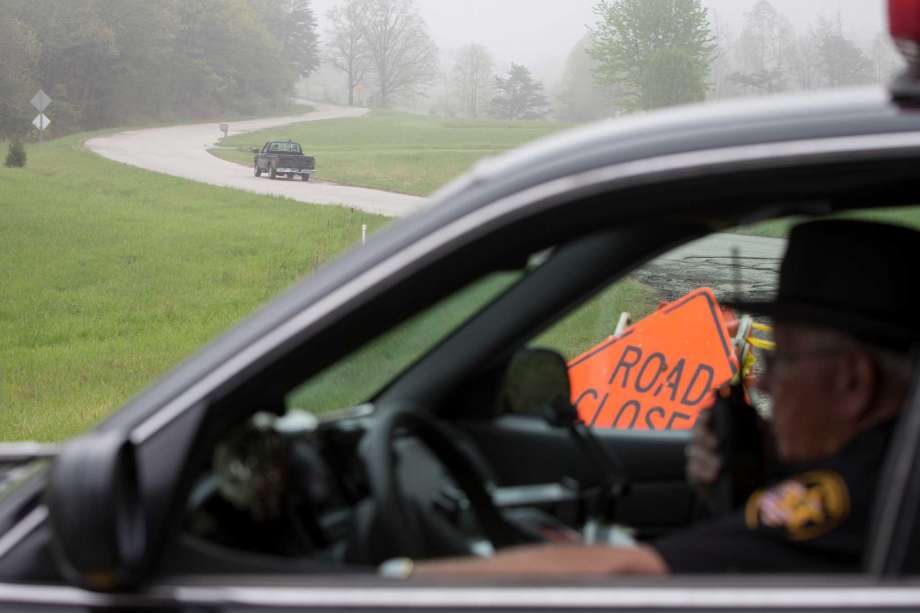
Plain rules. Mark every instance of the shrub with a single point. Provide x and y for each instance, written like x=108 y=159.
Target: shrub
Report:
x=16 y=156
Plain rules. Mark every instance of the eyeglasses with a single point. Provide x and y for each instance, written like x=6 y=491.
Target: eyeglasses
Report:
x=773 y=359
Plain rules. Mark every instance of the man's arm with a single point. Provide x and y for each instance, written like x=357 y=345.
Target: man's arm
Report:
x=552 y=560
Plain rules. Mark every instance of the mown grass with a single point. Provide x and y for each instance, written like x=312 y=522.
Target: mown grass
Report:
x=400 y=152
x=779 y=228
x=369 y=369
x=110 y=275
x=597 y=319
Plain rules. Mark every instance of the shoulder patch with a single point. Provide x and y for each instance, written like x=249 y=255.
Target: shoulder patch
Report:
x=802 y=508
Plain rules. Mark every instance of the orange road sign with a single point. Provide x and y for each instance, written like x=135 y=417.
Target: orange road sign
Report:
x=660 y=372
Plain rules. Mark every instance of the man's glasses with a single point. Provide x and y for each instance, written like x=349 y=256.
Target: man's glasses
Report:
x=772 y=360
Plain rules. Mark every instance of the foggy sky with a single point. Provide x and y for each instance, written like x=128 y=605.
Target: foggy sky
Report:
x=541 y=33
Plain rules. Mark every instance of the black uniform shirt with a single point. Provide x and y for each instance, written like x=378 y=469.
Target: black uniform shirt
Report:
x=816 y=520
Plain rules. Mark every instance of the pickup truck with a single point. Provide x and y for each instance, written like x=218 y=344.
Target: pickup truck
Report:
x=283 y=157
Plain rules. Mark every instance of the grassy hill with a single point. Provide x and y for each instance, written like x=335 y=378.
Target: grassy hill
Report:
x=399 y=152
x=111 y=275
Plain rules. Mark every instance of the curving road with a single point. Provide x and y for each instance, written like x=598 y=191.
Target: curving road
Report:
x=182 y=151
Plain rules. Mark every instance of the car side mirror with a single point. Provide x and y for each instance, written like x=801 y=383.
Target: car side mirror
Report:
x=98 y=526
x=534 y=380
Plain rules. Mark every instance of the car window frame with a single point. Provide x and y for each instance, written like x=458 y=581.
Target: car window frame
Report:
x=532 y=203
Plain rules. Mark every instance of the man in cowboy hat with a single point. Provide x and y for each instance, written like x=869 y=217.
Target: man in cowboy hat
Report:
x=844 y=325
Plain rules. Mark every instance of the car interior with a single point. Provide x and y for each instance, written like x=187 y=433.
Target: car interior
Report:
x=411 y=435
x=429 y=416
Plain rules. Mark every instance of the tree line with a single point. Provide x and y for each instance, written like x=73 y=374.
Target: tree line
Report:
x=642 y=55
x=637 y=55
x=113 y=62
x=384 y=53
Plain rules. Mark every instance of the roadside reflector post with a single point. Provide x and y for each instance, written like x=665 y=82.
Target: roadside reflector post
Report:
x=363 y=233
x=622 y=324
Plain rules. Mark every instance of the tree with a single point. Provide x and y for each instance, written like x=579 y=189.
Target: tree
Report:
x=840 y=61
x=886 y=61
x=580 y=98
x=402 y=54
x=473 y=78
x=764 y=50
x=657 y=52
x=20 y=52
x=16 y=155
x=347 y=50
x=293 y=24
x=518 y=96
x=112 y=62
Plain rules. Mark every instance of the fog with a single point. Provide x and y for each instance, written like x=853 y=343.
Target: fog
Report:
x=541 y=33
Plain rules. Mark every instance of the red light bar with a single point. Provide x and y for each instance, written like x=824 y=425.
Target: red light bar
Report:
x=904 y=24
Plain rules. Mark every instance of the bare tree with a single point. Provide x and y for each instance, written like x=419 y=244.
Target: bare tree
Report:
x=402 y=53
x=472 y=76
x=347 y=50
x=764 y=50
x=886 y=61
x=840 y=61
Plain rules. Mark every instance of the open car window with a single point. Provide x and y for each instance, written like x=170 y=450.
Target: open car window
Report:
x=355 y=378
x=645 y=353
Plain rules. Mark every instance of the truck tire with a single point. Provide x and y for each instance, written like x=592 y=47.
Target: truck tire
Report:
x=272 y=172
x=305 y=176
x=258 y=171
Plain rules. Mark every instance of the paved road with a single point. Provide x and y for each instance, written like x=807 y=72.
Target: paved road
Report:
x=182 y=151
x=709 y=262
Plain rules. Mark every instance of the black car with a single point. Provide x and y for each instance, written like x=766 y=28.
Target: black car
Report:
x=368 y=412
x=283 y=158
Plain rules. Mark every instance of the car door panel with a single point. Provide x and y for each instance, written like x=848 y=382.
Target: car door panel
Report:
x=525 y=451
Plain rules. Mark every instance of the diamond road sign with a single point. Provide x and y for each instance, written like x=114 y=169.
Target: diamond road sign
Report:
x=41 y=101
x=41 y=122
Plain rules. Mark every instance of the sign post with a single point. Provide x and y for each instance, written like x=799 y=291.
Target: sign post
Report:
x=40 y=101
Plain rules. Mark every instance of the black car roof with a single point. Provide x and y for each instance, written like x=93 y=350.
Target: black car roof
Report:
x=834 y=114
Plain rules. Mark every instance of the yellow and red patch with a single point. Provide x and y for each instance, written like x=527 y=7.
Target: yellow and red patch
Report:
x=803 y=508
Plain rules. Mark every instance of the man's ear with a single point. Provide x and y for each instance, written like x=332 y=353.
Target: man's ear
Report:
x=856 y=385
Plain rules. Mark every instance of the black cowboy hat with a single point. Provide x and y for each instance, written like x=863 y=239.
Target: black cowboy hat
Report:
x=855 y=276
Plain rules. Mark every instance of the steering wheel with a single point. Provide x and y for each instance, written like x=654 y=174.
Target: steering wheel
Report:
x=396 y=512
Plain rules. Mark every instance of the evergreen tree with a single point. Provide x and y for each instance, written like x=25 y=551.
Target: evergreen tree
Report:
x=518 y=96
x=16 y=155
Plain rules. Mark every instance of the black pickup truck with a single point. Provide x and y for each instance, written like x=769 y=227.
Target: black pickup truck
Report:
x=283 y=157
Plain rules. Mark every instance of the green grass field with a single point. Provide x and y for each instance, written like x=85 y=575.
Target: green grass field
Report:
x=908 y=216
x=369 y=369
x=399 y=152
x=111 y=275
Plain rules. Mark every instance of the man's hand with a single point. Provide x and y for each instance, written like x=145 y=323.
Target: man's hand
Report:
x=704 y=460
x=551 y=561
